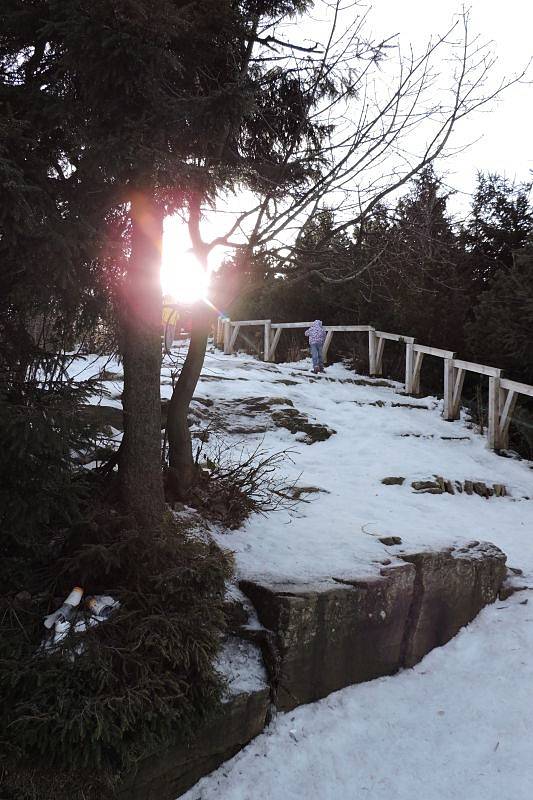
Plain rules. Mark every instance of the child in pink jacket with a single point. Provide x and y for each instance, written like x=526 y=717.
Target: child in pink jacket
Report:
x=317 y=337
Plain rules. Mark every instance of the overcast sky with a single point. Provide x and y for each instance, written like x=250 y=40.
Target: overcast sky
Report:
x=505 y=131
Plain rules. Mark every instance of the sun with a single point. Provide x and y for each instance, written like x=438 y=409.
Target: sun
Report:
x=182 y=275
x=184 y=279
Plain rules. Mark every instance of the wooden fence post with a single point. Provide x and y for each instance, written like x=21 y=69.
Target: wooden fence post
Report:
x=227 y=337
x=327 y=343
x=266 y=345
x=274 y=344
x=493 y=432
x=371 y=352
x=378 y=371
x=508 y=400
x=458 y=381
x=416 y=373
x=409 y=367
x=448 y=389
x=236 y=329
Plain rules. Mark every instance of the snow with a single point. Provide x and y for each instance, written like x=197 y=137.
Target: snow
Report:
x=241 y=665
x=461 y=721
x=459 y=724
x=335 y=534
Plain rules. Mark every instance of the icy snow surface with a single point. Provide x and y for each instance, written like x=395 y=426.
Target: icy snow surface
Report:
x=461 y=722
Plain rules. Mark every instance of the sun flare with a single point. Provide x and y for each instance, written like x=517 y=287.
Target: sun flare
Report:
x=182 y=276
x=184 y=279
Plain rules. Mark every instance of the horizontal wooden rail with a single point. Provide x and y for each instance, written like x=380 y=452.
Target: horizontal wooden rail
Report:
x=249 y=322
x=349 y=328
x=433 y=351
x=481 y=369
x=394 y=337
x=515 y=386
x=503 y=393
x=291 y=324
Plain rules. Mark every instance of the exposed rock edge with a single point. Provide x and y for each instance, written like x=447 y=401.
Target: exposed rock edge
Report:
x=318 y=639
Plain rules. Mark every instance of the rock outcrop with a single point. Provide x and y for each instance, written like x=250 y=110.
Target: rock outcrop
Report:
x=252 y=415
x=318 y=639
x=450 y=589
x=170 y=772
x=330 y=636
x=441 y=485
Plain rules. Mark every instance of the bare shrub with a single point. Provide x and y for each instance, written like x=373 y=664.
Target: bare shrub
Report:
x=233 y=482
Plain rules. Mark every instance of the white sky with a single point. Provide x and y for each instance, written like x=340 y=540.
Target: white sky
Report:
x=500 y=136
x=505 y=131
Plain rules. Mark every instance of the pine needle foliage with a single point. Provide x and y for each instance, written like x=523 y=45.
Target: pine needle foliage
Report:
x=76 y=718
x=41 y=492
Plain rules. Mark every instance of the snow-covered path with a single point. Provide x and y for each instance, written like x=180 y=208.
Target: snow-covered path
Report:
x=336 y=533
x=460 y=723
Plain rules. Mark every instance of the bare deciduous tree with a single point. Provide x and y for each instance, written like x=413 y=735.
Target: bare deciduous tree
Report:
x=346 y=123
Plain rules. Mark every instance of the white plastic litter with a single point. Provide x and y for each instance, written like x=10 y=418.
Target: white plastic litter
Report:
x=65 y=611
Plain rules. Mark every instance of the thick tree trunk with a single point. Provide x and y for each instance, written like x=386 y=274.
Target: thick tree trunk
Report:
x=181 y=459
x=140 y=473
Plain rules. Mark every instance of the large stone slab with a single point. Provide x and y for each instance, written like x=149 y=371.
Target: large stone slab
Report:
x=169 y=772
x=326 y=637
x=451 y=588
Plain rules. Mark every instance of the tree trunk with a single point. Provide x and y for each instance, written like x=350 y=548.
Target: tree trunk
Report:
x=140 y=473
x=181 y=460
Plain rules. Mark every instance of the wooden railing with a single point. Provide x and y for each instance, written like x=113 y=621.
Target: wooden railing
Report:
x=503 y=393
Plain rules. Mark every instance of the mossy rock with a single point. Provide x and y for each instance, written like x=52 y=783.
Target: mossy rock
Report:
x=293 y=421
x=297 y=491
x=393 y=481
x=107 y=375
x=390 y=540
x=204 y=401
x=263 y=403
x=424 y=486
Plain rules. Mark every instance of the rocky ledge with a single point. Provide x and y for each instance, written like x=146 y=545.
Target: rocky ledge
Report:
x=243 y=714
x=321 y=638
x=325 y=637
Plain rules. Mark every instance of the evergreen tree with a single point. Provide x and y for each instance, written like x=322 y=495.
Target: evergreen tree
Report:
x=426 y=276
x=149 y=111
x=501 y=222
x=501 y=331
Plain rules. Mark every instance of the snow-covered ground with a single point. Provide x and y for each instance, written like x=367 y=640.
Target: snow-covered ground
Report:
x=458 y=725
x=336 y=532
x=462 y=720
